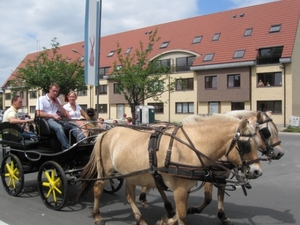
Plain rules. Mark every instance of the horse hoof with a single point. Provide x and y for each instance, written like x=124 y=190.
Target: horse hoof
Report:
x=100 y=222
x=227 y=222
x=145 y=205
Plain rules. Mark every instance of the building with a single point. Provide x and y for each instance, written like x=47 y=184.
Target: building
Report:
x=220 y=57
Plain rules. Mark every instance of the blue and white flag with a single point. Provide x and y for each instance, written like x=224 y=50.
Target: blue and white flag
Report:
x=91 y=42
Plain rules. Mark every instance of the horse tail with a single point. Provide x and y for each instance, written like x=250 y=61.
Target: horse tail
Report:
x=89 y=172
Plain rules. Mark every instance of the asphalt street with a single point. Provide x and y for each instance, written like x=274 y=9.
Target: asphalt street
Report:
x=273 y=200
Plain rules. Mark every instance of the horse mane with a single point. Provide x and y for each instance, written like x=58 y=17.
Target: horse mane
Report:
x=241 y=113
x=196 y=119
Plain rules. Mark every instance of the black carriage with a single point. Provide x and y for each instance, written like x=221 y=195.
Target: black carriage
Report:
x=56 y=169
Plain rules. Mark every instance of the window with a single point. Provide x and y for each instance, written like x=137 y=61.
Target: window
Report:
x=269 y=55
x=185 y=107
x=239 y=54
x=197 y=39
x=274 y=106
x=248 y=32
x=32 y=95
x=216 y=37
x=270 y=79
x=157 y=85
x=103 y=71
x=102 y=90
x=233 y=80
x=102 y=108
x=7 y=96
x=116 y=88
x=208 y=57
x=21 y=94
x=111 y=53
x=82 y=93
x=185 y=84
x=184 y=63
x=275 y=28
x=128 y=50
x=84 y=107
x=165 y=63
x=158 y=107
x=32 y=109
x=150 y=46
x=210 y=82
x=237 y=105
x=164 y=44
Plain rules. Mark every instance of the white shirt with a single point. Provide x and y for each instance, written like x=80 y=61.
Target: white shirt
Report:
x=45 y=104
x=74 y=114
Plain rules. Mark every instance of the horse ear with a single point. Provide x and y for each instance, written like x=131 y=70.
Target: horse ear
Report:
x=259 y=117
x=243 y=124
x=269 y=113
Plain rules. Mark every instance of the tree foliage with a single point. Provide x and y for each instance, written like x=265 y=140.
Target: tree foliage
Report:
x=139 y=79
x=50 y=66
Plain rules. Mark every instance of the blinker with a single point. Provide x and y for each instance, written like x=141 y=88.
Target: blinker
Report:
x=245 y=146
x=265 y=133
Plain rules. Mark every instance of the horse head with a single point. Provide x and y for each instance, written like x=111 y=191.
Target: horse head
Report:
x=269 y=135
x=243 y=149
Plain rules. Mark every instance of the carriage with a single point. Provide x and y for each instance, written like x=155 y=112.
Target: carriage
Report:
x=56 y=169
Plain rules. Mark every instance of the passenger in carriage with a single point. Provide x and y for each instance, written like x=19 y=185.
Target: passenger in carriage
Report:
x=11 y=116
x=48 y=107
x=75 y=111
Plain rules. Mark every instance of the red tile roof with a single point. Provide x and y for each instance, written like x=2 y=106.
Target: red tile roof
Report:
x=231 y=24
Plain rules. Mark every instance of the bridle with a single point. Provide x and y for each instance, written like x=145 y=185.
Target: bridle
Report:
x=265 y=135
x=242 y=147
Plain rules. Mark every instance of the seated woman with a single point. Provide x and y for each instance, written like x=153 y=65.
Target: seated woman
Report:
x=75 y=111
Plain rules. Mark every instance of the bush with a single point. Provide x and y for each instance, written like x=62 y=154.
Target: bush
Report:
x=292 y=129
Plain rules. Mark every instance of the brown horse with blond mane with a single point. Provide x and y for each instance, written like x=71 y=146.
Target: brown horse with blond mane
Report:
x=192 y=146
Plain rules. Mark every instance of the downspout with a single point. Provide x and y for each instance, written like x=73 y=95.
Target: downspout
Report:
x=284 y=96
x=250 y=90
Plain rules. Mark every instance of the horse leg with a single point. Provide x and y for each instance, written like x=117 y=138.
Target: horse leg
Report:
x=168 y=206
x=221 y=213
x=98 y=190
x=208 y=190
x=143 y=197
x=130 y=195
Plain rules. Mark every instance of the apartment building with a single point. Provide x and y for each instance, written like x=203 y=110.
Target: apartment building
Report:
x=220 y=58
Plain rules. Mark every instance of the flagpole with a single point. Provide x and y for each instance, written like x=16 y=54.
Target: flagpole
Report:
x=98 y=55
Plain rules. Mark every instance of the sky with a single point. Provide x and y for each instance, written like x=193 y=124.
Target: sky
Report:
x=28 y=26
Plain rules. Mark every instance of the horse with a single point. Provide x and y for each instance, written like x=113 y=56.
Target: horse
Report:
x=182 y=154
x=272 y=149
x=269 y=134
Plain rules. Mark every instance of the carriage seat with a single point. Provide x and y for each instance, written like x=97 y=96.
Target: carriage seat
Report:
x=11 y=136
x=43 y=127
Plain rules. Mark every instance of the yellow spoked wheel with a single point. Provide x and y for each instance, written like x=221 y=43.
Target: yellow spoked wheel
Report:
x=12 y=174
x=52 y=185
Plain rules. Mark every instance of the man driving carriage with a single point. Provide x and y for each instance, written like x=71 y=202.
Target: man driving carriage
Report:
x=50 y=108
x=11 y=116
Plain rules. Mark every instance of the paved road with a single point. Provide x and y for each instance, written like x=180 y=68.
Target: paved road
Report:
x=273 y=200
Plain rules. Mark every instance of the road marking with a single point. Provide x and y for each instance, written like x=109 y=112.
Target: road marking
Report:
x=2 y=223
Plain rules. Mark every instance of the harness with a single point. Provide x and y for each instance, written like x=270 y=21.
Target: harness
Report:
x=203 y=173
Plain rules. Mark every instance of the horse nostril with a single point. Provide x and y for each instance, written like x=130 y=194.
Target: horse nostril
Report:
x=257 y=173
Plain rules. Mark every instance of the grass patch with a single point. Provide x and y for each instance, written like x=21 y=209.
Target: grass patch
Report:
x=292 y=129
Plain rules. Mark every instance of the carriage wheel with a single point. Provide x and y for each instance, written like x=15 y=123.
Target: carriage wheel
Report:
x=12 y=174
x=52 y=185
x=113 y=185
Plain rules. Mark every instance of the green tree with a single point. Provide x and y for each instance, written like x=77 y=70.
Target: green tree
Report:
x=139 y=79
x=50 y=66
